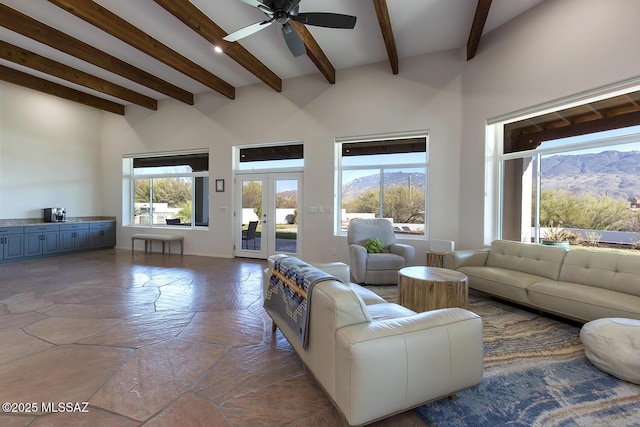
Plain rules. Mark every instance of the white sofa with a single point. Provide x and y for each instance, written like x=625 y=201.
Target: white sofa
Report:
x=373 y=358
x=578 y=284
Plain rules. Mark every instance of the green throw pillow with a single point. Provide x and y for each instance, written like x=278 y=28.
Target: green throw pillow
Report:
x=374 y=246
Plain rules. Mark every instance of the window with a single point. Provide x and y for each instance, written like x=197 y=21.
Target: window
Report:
x=573 y=173
x=168 y=189
x=384 y=178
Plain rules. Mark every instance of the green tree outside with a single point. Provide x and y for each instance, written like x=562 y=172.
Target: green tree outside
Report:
x=584 y=211
x=172 y=191
x=401 y=203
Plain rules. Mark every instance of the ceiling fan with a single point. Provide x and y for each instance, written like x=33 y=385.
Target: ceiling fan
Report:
x=283 y=11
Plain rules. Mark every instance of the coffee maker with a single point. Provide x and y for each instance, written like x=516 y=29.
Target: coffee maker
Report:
x=55 y=215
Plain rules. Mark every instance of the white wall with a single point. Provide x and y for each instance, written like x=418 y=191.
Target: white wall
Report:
x=49 y=155
x=557 y=49
x=365 y=100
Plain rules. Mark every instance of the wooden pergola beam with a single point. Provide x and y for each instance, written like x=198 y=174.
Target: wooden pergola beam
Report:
x=479 y=19
x=315 y=52
x=195 y=19
x=36 y=83
x=40 y=63
x=387 y=33
x=111 y=23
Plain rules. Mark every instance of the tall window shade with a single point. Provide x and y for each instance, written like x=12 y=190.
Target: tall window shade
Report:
x=387 y=146
x=198 y=162
x=274 y=152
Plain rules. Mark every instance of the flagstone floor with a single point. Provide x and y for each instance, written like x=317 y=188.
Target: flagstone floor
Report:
x=114 y=338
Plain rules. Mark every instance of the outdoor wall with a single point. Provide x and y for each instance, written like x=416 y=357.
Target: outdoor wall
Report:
x=364 y=101
x=557 y=49
x=49 y=155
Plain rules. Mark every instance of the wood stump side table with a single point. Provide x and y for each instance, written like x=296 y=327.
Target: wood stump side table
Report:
x=430 y=288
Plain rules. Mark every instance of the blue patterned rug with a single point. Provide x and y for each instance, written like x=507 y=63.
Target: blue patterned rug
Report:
x=535 y=374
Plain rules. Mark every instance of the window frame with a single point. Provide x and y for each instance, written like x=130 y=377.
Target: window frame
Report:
x=495 y=157
x=130 y=177
x=381 y=167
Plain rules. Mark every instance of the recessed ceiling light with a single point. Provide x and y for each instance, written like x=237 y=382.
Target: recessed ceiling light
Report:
x=217 y=49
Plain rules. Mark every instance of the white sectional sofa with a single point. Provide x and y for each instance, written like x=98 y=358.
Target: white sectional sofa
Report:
x=373 y=358
x=578 y=284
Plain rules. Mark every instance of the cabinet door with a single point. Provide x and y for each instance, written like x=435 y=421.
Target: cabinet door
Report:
x=109 y=237
x=32 y=244
x=103 y=234
x=81 y=240
x=50 y=243
x=95 y=238
x=67 y=240
x=13 y=246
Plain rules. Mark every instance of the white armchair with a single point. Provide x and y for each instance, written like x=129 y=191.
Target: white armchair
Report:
x=372 y=268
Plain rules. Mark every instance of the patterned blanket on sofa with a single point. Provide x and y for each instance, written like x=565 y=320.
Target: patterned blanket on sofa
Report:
x=289 y=293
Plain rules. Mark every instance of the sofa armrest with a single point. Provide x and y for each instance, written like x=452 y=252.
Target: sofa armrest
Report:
x=456 y=259
x=405 y=251
x=414 y=359
x=358 y=257
x=337 y=269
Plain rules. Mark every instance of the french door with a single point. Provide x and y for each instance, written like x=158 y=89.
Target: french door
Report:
x=267 y=217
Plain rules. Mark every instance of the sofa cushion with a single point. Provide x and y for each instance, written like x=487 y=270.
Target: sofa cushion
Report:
x=544 y=261
x=385 y=261
x=582 y=302
x=605 y=270
x=500 y=281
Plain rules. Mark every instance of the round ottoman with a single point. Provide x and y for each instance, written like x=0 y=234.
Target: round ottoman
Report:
x=613 y=346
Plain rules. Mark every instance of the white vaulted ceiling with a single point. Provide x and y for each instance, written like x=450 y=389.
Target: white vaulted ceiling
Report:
x=419 y=27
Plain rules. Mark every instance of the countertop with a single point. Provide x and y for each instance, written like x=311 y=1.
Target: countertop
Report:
x=26 y=222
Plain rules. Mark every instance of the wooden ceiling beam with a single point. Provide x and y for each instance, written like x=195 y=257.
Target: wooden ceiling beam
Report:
x=479 y=19
x=315 y=52
x=111 y=23
x=32 y=82
x=195 y=19
x=387 y=33
x=36 y=30
x=40 y=63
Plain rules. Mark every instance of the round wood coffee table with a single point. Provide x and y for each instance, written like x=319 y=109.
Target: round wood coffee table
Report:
x=430 y=288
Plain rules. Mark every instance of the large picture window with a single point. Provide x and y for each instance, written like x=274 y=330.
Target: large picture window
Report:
x=572 y=175
x=384 y=178
x=169 y=189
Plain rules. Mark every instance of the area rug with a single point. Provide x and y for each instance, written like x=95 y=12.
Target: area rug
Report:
x=535 y=374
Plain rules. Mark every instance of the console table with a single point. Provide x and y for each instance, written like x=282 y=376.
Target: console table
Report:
x=430 y=288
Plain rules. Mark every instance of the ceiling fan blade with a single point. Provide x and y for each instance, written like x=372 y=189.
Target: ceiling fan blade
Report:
x=328 y=20
x=247 y=31
x=289 y=5
x=294 y=42
x=258 y=4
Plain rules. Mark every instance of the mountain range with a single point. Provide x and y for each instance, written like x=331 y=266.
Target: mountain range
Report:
x=353 y=189
x=612 y=173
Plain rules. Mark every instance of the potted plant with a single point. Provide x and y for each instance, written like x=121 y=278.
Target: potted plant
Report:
x=556 y=236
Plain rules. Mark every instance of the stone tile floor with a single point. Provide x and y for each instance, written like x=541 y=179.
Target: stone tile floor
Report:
x=149 y=339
